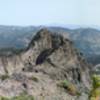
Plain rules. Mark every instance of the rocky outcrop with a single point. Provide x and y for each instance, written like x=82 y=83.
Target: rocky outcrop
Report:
x=49 y=59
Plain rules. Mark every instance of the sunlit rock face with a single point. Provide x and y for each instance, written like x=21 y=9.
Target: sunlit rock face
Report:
x=48 y=59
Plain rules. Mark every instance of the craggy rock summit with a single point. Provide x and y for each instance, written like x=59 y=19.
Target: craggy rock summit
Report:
x=50 y=68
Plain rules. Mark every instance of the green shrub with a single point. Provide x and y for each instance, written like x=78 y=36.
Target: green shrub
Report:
x=95 y=92
x=4 y=77
x=71 y=88
x=22 y=96
x=34 y=78
x=4 y=98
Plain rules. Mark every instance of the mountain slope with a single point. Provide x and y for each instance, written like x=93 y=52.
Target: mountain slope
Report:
x=15 y=36
x=86 y=39
x=50 y=68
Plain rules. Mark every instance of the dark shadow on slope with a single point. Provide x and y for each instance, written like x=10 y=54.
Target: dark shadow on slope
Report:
x=43 y=56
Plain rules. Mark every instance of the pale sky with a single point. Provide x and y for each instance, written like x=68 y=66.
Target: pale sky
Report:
x=42 y=12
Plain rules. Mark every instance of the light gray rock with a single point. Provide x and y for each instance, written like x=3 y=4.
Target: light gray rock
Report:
x=49 y=59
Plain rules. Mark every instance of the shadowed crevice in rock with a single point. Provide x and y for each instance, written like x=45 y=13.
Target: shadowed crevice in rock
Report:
x=43 y=56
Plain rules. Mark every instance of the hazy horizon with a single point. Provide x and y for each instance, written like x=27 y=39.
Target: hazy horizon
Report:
x=43 y=12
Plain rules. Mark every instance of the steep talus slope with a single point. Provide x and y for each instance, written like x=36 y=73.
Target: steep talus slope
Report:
x=41 y=69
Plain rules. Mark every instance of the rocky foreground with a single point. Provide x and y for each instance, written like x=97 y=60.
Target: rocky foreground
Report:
x=50 y=68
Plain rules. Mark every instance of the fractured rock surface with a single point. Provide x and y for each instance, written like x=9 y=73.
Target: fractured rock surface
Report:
x=49 y=59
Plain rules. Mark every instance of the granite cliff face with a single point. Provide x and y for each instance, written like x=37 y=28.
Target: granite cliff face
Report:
x=48 y=61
